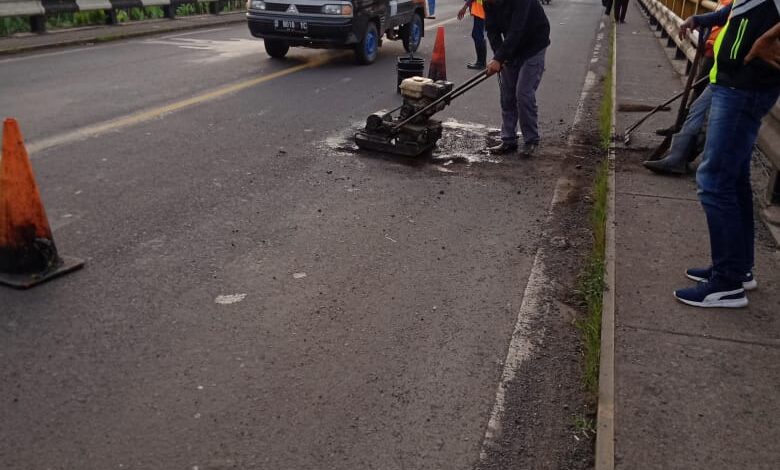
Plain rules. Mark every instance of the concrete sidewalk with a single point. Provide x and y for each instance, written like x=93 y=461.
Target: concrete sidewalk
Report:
x=695 y=388
x=68 y=37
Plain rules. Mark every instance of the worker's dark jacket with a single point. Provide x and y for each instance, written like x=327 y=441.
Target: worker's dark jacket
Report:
x=746 y=21
x=516 y=29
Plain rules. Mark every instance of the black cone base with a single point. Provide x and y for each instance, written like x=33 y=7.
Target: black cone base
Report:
x=27 y=280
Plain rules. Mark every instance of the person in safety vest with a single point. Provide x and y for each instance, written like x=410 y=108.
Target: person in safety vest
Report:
x=477 y=32
x=519 y=33
x=686 y=143
x=745 y=85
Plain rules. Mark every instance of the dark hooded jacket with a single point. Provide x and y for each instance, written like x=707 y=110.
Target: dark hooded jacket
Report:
x=745 y=21
x=516 y=29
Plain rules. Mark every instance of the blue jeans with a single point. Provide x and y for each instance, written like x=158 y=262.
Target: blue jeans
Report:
x=724 y=177
x=684 y=142
x=478 y=31
x=518 y=84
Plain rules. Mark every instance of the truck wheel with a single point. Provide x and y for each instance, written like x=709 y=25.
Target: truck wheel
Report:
x=368 y=47
x=412 y=33
x=276 y=49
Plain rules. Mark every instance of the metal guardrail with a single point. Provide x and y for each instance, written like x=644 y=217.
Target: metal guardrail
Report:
x=666 y=16
x=37 y=10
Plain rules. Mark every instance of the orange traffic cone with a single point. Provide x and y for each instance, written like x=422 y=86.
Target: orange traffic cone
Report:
x=438 y=68
x=27 y=252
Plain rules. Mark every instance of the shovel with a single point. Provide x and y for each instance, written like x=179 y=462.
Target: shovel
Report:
x=683 y=110
x=682 y=113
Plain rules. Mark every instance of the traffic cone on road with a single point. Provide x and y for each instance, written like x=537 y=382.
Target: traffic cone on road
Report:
x=438 y=68
x=28 y=255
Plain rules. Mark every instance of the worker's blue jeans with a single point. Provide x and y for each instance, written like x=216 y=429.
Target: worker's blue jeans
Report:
x=518 y=84
x=684 y=142
x=724 y=177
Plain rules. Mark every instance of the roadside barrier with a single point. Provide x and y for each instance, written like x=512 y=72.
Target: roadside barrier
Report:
x=28 y=255
x=37 y=10
x=667 y=16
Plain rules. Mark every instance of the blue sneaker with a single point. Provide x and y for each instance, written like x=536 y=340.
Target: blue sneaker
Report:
x=704 y=274
x=708 y=294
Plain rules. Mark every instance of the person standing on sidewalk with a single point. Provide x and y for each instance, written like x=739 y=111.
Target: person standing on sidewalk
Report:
x=519 y=33
x=477 y=32
x=745 y=84
x=621 y=7
x=686 y=142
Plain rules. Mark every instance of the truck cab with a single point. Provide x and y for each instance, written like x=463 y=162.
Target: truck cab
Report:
x=336 y=24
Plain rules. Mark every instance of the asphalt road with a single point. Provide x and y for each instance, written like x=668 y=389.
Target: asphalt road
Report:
x=257 y=294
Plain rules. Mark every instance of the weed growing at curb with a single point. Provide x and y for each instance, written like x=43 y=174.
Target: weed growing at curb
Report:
x=590 y=285
x=583 y=426
x=605 y=111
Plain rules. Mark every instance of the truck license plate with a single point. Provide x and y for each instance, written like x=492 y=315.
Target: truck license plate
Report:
x=290 y=25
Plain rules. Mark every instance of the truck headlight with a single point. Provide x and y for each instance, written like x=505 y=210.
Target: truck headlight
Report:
x=257 y=4
x=342 y=10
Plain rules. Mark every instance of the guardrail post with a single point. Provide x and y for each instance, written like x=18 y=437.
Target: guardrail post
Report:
x=38 y=24
x=774 y=193
x=111 y=17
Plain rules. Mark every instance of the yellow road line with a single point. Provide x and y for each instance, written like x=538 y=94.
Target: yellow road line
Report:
x=143 y=116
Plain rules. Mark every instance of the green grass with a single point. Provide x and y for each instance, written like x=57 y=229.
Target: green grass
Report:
x=605 y=111
x=233 y=5
x=190 y=9
x=14 y=24
x=584 y=426
x=590 y=288
x=590 y=285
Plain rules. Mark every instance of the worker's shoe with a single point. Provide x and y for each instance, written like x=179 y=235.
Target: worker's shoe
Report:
x=476 y=66
x=529 y=149
x=665 y=132
x=713 y=294
x=665 y=167
x=503 y=148
x=704 y=274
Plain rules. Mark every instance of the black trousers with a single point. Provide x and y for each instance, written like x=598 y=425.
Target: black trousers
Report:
x=621 y=6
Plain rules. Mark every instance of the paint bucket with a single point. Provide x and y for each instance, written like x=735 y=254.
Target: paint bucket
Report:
x=409 y=66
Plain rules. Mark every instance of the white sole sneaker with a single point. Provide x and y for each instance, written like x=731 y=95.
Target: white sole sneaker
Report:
x=747 y=285
x=716 y=302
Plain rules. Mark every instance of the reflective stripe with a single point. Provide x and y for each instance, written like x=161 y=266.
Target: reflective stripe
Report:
x=477 y=9
x=738 y=40
x=716 y=48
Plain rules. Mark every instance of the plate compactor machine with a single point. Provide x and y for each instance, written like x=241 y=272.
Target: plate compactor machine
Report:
x=412 y=132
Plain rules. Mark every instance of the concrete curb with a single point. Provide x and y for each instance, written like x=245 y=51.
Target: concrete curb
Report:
x=605 y=421
x=108 y=33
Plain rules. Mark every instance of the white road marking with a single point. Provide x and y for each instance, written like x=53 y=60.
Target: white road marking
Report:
x=229 y=299
x=219 y=49
x=590 y=82
x=534 y=306
x=50 y=54
x=190 y=33
x=440 y=23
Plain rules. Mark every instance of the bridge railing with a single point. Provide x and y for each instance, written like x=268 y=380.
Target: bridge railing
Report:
x=666 y=16
x=37 y=10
